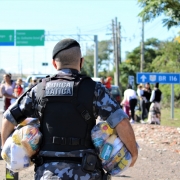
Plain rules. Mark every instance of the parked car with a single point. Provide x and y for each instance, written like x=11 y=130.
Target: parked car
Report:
x=37 y=76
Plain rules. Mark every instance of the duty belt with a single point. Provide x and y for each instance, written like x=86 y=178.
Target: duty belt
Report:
x=40 y=160
x=77 y=160
x=68 y=141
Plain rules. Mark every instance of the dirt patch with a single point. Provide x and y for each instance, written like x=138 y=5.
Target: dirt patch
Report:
x=159 y=153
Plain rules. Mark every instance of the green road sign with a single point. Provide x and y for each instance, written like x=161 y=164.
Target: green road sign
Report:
x=6 y=37
x=30 y=37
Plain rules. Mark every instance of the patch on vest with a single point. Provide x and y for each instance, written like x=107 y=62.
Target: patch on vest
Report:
x=63 y=88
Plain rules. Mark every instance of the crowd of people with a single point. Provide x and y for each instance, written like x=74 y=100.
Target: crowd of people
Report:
x=148 y=100
x=10 y=89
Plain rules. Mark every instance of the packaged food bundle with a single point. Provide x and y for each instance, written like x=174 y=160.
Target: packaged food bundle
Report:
x=115 y=156
x=15 y=156
x=113 y=153
x=19 y=158
x=100 y=133
x=6 y=151
x=28 y=136
x=22 y=145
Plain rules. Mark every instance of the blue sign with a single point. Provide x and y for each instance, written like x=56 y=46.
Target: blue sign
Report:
x=162 y=78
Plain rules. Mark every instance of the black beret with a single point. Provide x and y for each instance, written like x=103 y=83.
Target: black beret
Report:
x=64 y=44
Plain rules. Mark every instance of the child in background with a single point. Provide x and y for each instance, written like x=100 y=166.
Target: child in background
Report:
x=126 y=107
x=108 y=82
x=18 y=90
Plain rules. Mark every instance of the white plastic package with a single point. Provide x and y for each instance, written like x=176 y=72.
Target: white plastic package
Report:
x=22 y=145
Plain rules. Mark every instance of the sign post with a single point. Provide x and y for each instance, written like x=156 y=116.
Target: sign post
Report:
x=131 y=81
x=6 y=37
x=162 y=78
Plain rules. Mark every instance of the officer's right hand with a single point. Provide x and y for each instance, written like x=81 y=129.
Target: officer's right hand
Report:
x=134 y=158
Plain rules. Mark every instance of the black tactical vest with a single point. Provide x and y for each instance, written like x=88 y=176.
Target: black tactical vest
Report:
x=66 y=111
x=157 y=95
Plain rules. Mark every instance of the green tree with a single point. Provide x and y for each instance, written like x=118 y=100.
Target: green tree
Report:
x=154 y=8
x=150 y=52
x=88 y=66
x=132 y=63
x=104 y=58
x=168 y=58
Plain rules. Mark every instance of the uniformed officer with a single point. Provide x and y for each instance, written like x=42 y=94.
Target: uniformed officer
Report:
x=67 y=105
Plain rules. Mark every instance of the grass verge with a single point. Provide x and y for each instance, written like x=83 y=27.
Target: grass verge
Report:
x=166 y=117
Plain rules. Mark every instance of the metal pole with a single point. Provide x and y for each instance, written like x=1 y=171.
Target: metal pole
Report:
x=33 y=61
x=117 y=60
x=119 y=52
x=119 y=32
x=113 y=33
x=172 y=101
x=95 y=56
x=20 y=62
x=142 y=48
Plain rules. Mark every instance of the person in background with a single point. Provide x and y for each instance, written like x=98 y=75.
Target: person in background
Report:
x=18 y=90
x=107 y=82
x=33 y=82
x=154 y=116
x=147 y=94
x=7 y=90
x=142 y=100
x=102 y=80
x=68 y=105
x=129 y=102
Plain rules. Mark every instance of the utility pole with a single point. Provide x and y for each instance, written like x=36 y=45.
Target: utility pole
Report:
x=95 y=56
x=142 y=48
x=114 y=42
x=119 y=32
x=33 y=60
x=117 y=53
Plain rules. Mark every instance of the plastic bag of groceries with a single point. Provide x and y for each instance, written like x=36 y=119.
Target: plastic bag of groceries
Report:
x=22 y=145
x=113 y=153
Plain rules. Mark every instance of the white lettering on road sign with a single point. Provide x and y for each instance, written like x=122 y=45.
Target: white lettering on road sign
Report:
x=143 y=77
x=162 y=78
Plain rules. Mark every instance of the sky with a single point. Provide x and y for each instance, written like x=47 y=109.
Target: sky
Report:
x=78 y=19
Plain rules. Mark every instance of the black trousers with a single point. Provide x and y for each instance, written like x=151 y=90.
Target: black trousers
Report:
x=132 y=104
x=143 y=109
x=148 y=104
